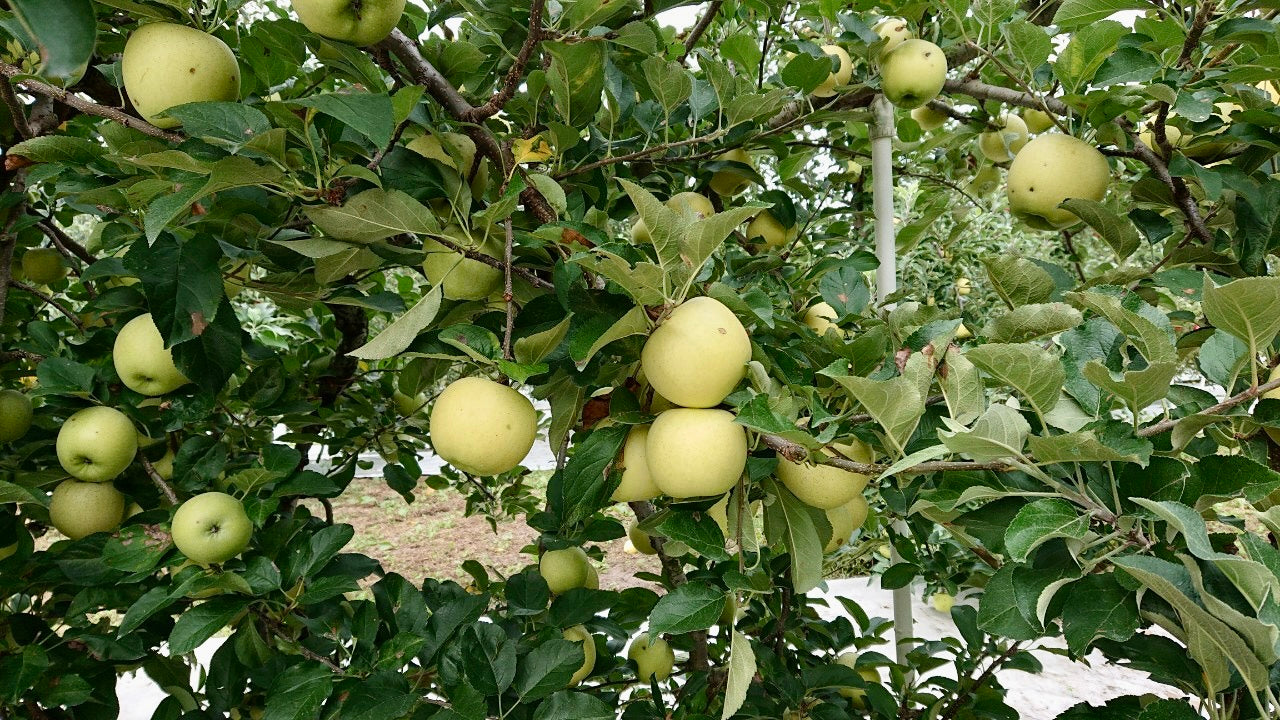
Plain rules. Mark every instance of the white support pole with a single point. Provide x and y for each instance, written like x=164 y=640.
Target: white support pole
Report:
x=882 y=133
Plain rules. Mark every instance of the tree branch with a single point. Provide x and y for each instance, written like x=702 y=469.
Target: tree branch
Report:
x=1234 y=400
x=640 y=154
x=85 y=106
x=674 y=573
x=493 y=262
x=703 y=23
x=516 y=72
x=75 y=319
x=16 y=110
x=64 y=243
x=507 y=296
x=983 y=91
x=159 y=481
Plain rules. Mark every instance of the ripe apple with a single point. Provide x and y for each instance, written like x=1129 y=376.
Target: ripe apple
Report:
x=408 y=405
x=692 y=203
x=726 y=183
x=942 y=602
x=359 y=22
x=15 y=415
x=1037 y=121
x=579 y=634
x=463 y=278
x=482 y=427
x=1273 y=395
x=838 y=78
x=640 y=540
x=841 y=528
x=96 y=444
x=654 y=659
x=43 y=266
x=79 y=509
x=637 y=483
x=432 y=146
x=164 y=466
x=166 y=65
x=565 y=569
x=1171 y=133
x=858 y=511
x=821 y=317
x=871 y=675
x=823 y=486
x=1002 y=145
x=1050 y=169
x=766 y=228
x=142 y=361
x=928 y=118
x=963 y=286
x=894 y=31
x=913 y=73
x=211 y=528
x=696 y=452
x=698 y=355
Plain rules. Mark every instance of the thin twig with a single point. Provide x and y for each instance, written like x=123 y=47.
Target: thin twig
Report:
x=87 y=107
x=516 y=72
x=75 y=319
x=16 y=110
x=983 y=91
x=493 y=262
x=709 y=137
x=507 y=295
x=65 y=243
x=159 y=481
x=704 y=22
x=1234 y=400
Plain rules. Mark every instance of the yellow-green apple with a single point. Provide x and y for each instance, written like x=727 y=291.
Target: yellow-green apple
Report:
x=211 y=528
x=15 y=415
x=1003 y=144
x=913 y=73
x=579 y=634
x=821 y=317
x=637 y=484
x=359 y=22
x=824 y=486
x=79 y=509
x=653 y=659
x=43 y=266
x=696 y=452
x=720 y=513
x=858 y=511
x=461 y=277
x=142 y=361
x=640 y=232
x=565 y=569
x=871 y=675
x=164 y=466
x=894 y=31
x=764 y=230
x=928 y=118
x=963 y=333
x=692 y=203
x=166 y=65
x=963 y=286
x=942 y=602
x=96 y=444
x=408 y=405
x=836 y=78
x=726 y=183
x=1172 y=134
x=482 y=427
x=841 y=528
x=1037 y=121
x=698 y=355
x=1050 y=169
x=640 y=540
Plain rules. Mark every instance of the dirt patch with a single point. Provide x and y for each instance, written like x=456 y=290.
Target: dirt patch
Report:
x=432 y=537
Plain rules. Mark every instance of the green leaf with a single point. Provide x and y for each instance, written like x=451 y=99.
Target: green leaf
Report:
x=66 y=31
x=202 y=621
x=1231 y=476
x=1031 y=370
x=643 y=282
x=1077 y=13
x=1040 y=522
x=999 y=433
x=668 y=80
x=548 y=668
x=585 y=486
x=536 y=347
x=702 y=534
x=791 y=524
x=845 y=290
x=1153 y=341
x=690 y=607
x=488 y=658
x=666 y=226
x=576 y=79
x=20 y=671
x=576 y=705
x=1137 y=388
x=369 y=114
x=379 y=696
x=58 y=149
x=895 y=404
x=806 y=72
x=1088 y=49
x=742 y=670
x=60 y=376
x=396 y=337
x=1030 y=322
x=634 y=322
x=1248 y=308
x=1011 y=600
x=1098 y=607
x=961 y=385
x=1083 y=446
x=229 y=124
x=705 y=235
x=1116 y=229
x=374 y=215
x=551 y=190
x=299 y=692
x=182 y=283
x=215 y=355
x=1028 y=42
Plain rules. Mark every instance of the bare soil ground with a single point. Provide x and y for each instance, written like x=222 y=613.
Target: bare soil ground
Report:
x=432 y=537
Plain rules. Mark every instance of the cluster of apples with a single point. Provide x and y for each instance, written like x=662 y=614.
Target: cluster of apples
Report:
x=166 y=65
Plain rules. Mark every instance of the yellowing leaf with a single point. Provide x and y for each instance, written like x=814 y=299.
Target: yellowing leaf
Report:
x=531 y=150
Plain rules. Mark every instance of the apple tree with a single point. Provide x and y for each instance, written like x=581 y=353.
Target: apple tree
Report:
x=991 y=283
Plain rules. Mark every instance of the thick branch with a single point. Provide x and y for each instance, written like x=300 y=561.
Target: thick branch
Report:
x=672 y=570
x=85 y=106
x=704 y=22
x=983 y=91
x=16 y=111
x=493 y=262
x=516 y=72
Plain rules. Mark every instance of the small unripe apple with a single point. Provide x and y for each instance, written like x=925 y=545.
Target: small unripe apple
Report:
x=821 y=317
x=1171 y=133
x=640 y=232
x=894 y=31
x=579 y=634
x=871 y=675
x=728 y=184
x=653 y=659
x=839 y=77
x=1050 y=169
x=359 y=22
x=43 y=266
x=696 y=452
x=166 y=65
x=15 y=415
x=823 y=486
x=963 y=333
x=1037 y=121
x=942 y=602
x=142 y=361
x=928 y=118
x=692 y=203
x=408 y=405
x=1002 y=145
x=640 y=540
x=769 y=233
x=482 y=427
x=211 y=528
x=637 y=484
x=80 y=509
x=461 y=277
x=698 y=355
x=913 y=73
x=96 y=444
x=565 y=569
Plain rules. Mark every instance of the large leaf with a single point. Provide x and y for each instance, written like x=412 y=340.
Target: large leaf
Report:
x=374 y=215
x=1029 y=369
x=182 y=283
x=400 y=334
x=1116 y=229
x=1017 y=280
x=66 y=31
x=1042 y=521
x=692 y=606
x=1030 y=322
x=1000 y=433
x=1098 y=607
x=1248 y=308
x=742 y=669
x=896 y=404
x=790 y=523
